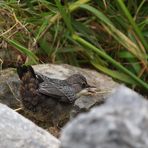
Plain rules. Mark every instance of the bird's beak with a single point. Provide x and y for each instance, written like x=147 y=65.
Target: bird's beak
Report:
x=89 y=86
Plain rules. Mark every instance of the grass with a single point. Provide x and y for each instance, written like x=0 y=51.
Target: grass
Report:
x=109 y=35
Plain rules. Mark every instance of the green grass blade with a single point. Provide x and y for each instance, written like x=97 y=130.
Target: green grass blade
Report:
x=24 y=50
x=109 y=59
x=117 y=34
x=66 y=15
x=132 y=22
x=58 y=16
x=115 y=74
x=41 y=29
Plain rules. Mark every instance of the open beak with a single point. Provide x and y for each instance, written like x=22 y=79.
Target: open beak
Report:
x=89 y=86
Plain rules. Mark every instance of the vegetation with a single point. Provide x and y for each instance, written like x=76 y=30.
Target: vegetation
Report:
x=109 y=35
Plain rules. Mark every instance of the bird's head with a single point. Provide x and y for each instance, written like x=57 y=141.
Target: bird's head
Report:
x=78 y=82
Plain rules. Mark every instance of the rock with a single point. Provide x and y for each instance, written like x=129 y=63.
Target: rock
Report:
x=104 y=84
x=18 y=132
x=125 y=97
x=9 y=89
x=9 y=85
x=120 y=122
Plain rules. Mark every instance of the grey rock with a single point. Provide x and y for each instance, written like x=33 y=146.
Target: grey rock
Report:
x=9 y=85
x=85 y=103
x=121 y=122
x=125 y=97
x=18 y=132
x=104 y=84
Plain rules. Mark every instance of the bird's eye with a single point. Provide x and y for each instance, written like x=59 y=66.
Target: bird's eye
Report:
x=83 y=85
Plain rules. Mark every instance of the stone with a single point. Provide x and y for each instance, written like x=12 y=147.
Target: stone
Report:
x=18 y=132
x=9 y=85
x=120 y=122
x=104 y=84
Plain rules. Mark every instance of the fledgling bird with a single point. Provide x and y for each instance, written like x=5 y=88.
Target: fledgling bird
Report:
x=44 y=96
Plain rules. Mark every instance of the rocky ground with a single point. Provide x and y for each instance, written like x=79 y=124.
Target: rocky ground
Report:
x=9 y=91
x=118 y=117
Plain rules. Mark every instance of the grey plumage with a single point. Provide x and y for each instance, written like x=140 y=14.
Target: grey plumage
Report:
x=63 y=90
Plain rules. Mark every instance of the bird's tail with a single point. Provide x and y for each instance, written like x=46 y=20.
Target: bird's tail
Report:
x=25 y=71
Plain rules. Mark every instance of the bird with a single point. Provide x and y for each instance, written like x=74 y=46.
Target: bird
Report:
x=46 y=98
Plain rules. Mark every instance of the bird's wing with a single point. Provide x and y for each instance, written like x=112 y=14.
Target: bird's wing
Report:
x=50 y=80
x=63 y=93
